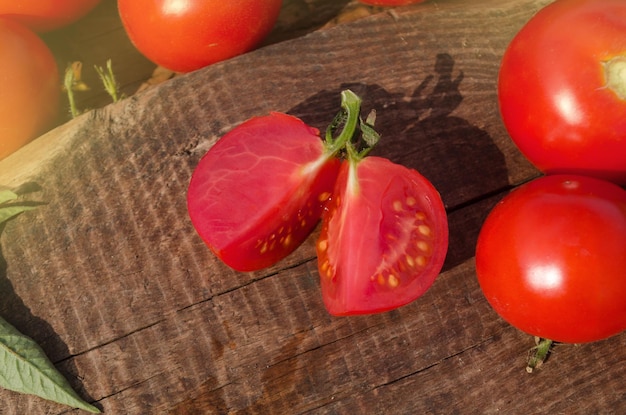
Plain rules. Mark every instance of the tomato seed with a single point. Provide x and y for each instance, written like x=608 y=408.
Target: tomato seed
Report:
x=423 y=246
x=287 y=241
x=393 y=281
x=323 y=196
x=410 y=261
x=421 y=261
x=322 y=245
x=380 y=279
x=424 y=230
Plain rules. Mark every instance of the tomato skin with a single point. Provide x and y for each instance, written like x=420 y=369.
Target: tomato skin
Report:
x=551 y=256
x=260 y=190
x=190 y=34
x=29 y=96
x=46 y=15
x=390 y=2
x=553 y=92
x=372 y=256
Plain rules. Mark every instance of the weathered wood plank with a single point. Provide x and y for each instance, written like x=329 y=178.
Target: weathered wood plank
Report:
x=110 y=278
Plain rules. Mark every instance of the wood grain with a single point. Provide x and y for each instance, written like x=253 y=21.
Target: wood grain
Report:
x=111 y=279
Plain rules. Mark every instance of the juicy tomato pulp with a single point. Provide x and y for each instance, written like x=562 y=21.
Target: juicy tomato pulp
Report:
x=551 y=257
x=384 y=238
x=562 y=92
x=260 y=190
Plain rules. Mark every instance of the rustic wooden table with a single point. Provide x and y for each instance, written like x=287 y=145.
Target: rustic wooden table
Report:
x=111 y=279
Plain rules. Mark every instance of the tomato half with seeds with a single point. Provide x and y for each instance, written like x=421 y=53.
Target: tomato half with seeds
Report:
x=259 y=191
x=551 y=256
x=384 y=238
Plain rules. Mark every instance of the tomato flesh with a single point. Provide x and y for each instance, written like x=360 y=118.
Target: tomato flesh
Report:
x=260 y=190
x=561 y=89
x=384 y=238
x=551 y=256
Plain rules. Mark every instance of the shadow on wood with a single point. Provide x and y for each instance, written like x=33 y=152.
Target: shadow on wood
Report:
x=421 y=131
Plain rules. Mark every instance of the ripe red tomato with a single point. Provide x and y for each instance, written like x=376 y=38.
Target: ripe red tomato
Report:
x=46 y=15
x=551 y=257
x=562 y=89
x=390 y=2
x=384 y=238
x=29 y=95
x=259 y=191
x=186 y=35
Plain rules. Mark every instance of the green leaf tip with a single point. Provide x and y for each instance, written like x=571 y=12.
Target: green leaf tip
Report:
x=25 y=368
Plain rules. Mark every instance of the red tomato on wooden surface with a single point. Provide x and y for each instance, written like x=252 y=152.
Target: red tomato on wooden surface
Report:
x=29 y=95
x=390 y=2
x=259 y=191
x=46 y=15
x=562 y=88
x=384 y=238
x=551 y=257
x=186 y=35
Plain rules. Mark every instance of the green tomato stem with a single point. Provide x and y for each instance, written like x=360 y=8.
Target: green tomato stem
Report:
x=539 y=354
x=68 y=83
x=108 y=80
x=348 y=116
x=350 y=121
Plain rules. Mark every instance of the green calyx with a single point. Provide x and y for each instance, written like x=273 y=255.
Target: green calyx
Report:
x=350 y=121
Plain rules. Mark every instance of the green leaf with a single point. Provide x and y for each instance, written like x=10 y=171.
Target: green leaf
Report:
x=7 y=195
x=25 y=368
x=7 y=212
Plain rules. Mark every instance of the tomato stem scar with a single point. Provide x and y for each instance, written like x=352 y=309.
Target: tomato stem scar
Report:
x=615 y=75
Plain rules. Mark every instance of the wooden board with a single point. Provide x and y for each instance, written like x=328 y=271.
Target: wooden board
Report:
x=111 y=279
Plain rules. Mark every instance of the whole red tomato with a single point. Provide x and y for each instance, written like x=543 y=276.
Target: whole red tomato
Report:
x=29 y=94
x=390 y=2
x=551 y=257
x=562 y=88
x=186 y=35
x=384 y=238
x=45 y=15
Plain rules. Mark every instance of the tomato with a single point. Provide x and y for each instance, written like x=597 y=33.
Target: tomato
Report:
x=30 y=91
x=46 y=15
x=551 y=256
x=259 y=191
x=384 y=238
x=562 y=88
x=390 y=2
x=186 y=35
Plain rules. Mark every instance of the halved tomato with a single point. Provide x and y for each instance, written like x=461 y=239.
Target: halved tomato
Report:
x=259 y=191
x=384 y=237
